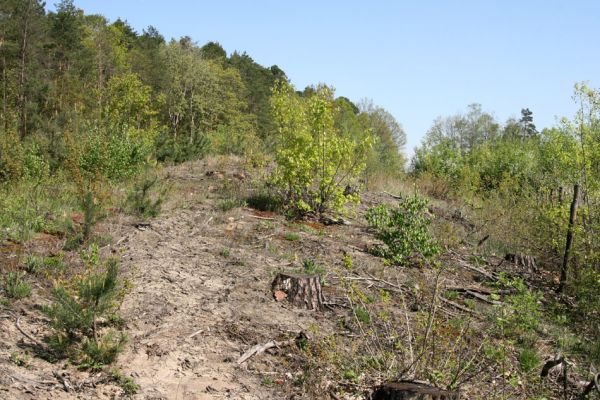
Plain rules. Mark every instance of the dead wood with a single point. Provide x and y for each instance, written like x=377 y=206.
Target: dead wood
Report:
x=411 y=391
x=301 y=290
x=456 y=305
x=594 y=383
x=261 y=348
x=28 y=336
x=468 y=266
x=522 y=260
x=479 y=294
x=557 y=360
x=392 y=195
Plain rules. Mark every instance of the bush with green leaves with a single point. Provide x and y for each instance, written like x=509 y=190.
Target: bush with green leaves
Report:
x=404 y=231
x=315 y=160
x=81 y=312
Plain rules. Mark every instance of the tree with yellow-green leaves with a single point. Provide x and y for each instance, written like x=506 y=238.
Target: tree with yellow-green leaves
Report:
x=316 y=161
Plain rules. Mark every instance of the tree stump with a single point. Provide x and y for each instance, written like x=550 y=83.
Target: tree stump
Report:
x=522 y=260
x=411 y=391
x=301 y=290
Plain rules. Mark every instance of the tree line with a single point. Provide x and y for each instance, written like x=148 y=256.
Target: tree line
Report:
x=78 y=84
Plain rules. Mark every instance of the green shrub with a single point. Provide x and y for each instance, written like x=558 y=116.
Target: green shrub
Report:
x=141 y=202
x=78 y=314
x=404 y=231
x=15 y=286
x=315 y=161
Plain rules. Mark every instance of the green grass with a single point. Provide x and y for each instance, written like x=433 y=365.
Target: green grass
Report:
x=15 y=286
x=528 y=360
x=291 y=236
x=229 y=204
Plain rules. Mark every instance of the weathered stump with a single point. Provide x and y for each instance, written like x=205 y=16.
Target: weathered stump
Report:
x=301 y=290
x=522 y=260
x=411 y=391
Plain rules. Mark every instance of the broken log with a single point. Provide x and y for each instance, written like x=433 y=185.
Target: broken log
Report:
x=411 y=391
x=301 y=290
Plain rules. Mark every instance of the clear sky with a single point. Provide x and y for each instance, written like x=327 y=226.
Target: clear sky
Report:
x=417 y=59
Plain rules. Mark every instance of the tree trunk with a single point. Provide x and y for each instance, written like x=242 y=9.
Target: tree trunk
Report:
x=411 y=391
x=301 y=290
x=21 y=98
x=569 y=242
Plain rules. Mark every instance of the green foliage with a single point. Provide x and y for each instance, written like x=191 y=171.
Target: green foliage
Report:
x=315 y=160
x=77 y=314
x=310 y=267
x=362 y=315
x=127 y=383
x=520 y=315
x=113 y=155
x=230 y=203
x=291 y=236
x=141 y=201
x=264 y=201
x=225 y=252
x=404 y=231
x=36 y=264
x=528 y=359
x=15 y=286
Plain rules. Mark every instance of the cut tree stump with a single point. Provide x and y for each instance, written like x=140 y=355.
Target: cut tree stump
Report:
x=411 y=391
x=522 y=260
x=301 y=290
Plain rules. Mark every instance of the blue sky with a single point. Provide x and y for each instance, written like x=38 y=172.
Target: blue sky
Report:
x=417 y=59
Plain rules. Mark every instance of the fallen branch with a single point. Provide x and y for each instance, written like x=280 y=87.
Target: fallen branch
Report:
x=259 y=349
x=456 y=305
x=557 y=360
x=476 y=293
x=488 y=275
x=594 y=383
x=265 y=218
x=196 y=333
x=26 y=379
x=393 y=195
x=28 y=336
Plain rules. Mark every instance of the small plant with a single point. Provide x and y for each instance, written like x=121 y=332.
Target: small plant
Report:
x=528 y=359
x=91 y=216
x=350 y=375
x=229 y=204
x=81 y=309
x=403 y=231
x=141 y=202
x=347 y=262
x=127 y=383
x=312 y=268
x=267 y=381
x=362 y=315
x=225 y=252
x=36 y=265
x=264 y=202
x=18 y=359
x=291 y=236
x=15 y=286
